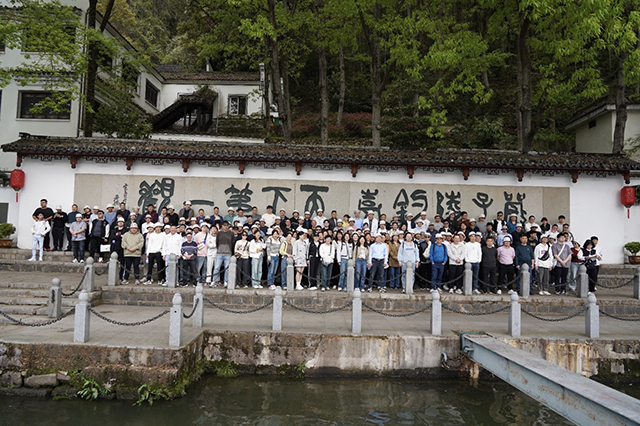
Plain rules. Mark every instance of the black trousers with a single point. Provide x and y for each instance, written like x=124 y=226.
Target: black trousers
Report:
x=189 y=272
x=94 y=246
x=314 y=272
x=132 y=261
x=243 y=275
x=424 y=270
x=507 y=271
x=455 y=273
x=560 y=278
x=489 y=277
x=156 y=258
x=58 y=237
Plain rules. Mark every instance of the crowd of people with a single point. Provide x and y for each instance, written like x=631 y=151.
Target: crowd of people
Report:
x=320 y=247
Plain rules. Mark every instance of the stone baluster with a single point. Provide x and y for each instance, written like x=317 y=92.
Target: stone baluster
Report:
x=233 y=271
x=81 y=318
x=592 y=318
x=172 y=271
x=277 y=310
x=436 y=315
x=467 y=279
x=356 y=314
x=583 y=282
x=350 y=275
x=290 y=274
x=409 y=277
x=198 y=315
x=112 y=278
x=514 y=316
x=54 y=303
x=90 y=277
x=175 y=322
x=525 y=280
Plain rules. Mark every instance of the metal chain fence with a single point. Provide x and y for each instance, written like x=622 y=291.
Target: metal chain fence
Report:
x=612 y=286
x=538 y=317
x=127 y=324
x=37 y=324
x=475 y=314
x=619 y=318
x=386 y=314
x=74 y=291
x=231 y=311
x=193 y=311
x=309 y=311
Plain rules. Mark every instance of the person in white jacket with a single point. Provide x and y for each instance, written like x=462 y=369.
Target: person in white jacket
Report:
x=327 y=256
x=473 y=256
x=172 y=244
x=300 y=253
x=544 y=264
x=256 y=253
x=455 y=251
x=39 y=229
x=212 y=251
x=155 y=241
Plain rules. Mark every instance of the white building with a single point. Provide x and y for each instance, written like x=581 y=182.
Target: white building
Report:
x=163 y=92
x=594 y=130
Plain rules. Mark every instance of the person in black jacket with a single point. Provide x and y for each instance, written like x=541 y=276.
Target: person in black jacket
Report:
x=58 y=224
x=314 y=262
x=98 y=232
x=488 y=266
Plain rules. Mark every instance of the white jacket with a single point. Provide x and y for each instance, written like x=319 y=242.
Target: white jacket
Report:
x=256 y=248
x=300 y=252
x=155 y=242
x=40 y=228
x=473 y=252
x=539 y=251
x=456 y=252
x=212 y=248
x=327 y=253
x=172 y=245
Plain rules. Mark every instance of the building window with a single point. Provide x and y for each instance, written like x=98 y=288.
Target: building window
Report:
x=4 y=212
x=592 y=124
x=237 y=105
x=151 y=94
x=29 y=100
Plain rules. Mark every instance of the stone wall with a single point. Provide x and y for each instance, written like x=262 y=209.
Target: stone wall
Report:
x=344 y=197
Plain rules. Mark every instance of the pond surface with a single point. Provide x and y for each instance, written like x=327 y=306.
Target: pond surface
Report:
x=273 y=401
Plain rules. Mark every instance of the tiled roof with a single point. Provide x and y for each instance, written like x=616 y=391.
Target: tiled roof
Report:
x=304 y=154
x=180 y=73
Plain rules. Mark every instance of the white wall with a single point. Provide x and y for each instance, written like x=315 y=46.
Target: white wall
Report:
x=595 y=207
x=599 y=139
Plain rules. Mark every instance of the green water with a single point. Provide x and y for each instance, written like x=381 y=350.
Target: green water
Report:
x=272 y=401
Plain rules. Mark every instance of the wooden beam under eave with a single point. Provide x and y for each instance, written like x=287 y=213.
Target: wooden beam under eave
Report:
x=74 y=161
x=18 y=160
x=410 y=171
x=129 y=162
x=627 y=177
x=241 y=166
x=298 y=168
x=520 y=174
x=185 y=165
x=354 y=170
x=465 y=173
x=574 y=176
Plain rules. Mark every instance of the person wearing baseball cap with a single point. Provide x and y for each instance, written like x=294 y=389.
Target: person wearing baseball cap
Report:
x=155 y=241
x=439 y=258
x=506 y=259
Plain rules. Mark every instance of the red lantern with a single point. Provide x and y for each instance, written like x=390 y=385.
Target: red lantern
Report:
x=628 y=197
x=17 y=181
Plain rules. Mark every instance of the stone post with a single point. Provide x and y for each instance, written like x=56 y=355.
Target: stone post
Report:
x=81 y=319
x=356 y=312
x=436 y=315
x=112 y=279
x=468 y=279
x=514 y=316
x=525 y=280
x=172 y=271
x=90 y=278
x=290 y=274
x=198 y=315
x=410 y=276
x=277 y=310
x=233 y=271
x=582 y=289
x=636 y=284
x=175 y=322
x=54 y=303
x=592 y=318
x=350 y=275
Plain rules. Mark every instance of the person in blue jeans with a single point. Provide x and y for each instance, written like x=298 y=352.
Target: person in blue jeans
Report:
x=273 y=257
x=360 y=255
x=438 y=255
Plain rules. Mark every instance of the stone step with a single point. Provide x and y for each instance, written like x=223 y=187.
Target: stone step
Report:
x=40 y=310
x=21 y=254
x=30 y=319
x=37 y=266
x=28 y=285
x=24 y=292
x=22 y=300
x=627 y=270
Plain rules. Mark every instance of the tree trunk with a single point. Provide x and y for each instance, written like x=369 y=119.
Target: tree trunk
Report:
x=621 y=108
x=525 y=131
x=277 y=85
x=343 y=85
x=324 y=96
x=92 y=66
x=266 y=99
x=376 y=81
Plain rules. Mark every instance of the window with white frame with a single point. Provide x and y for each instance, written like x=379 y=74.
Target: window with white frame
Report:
x=30 y=105
x=237 y=105
x=151 y=94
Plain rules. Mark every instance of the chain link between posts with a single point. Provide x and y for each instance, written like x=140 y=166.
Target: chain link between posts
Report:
x=309 y=311
x=193 y=311
x=231 y=311
x=74 y=291
x=619 y=318
x=386 y=314
x=613 y=286
x=127 y=324
x=38 y=324
x=538 y=317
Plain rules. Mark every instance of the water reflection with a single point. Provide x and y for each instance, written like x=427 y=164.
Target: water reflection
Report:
x=272 y=401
